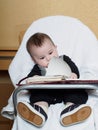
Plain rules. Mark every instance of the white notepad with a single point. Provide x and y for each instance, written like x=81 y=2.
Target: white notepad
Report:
x=58 y=66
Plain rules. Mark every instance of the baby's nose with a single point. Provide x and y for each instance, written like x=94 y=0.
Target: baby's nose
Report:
x=48 y=58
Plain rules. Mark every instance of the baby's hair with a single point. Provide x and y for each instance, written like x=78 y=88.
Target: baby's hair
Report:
x=37 y=40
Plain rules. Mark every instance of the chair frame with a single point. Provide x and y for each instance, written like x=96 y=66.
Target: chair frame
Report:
x=67 y=84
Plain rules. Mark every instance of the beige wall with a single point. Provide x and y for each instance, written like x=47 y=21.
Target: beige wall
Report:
x=17 y=15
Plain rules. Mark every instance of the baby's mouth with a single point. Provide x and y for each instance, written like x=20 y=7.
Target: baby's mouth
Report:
x=47 y=65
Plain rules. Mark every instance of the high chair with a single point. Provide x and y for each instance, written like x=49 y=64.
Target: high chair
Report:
x=73 y=38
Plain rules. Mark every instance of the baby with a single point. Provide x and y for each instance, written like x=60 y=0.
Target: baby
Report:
x=42 y=49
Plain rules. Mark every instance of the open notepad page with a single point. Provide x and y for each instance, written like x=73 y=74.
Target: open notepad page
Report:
x=58 y=66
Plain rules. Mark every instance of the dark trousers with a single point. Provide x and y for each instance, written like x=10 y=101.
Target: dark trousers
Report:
x=52 y=96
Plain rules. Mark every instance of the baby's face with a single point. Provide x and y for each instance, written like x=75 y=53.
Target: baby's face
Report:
x=42 y=55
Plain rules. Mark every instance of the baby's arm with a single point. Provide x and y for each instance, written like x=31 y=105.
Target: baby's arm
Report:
x=35 y=71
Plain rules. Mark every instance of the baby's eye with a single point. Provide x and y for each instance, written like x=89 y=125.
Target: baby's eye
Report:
x=50 y=53
x=41 y=58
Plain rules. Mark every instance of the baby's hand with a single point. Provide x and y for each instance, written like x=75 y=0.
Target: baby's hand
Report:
x=73 y=76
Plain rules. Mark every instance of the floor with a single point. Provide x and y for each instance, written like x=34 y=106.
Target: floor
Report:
x=6 y=88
